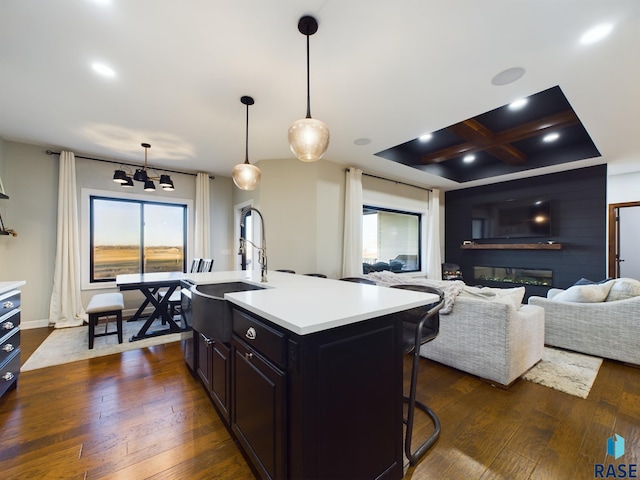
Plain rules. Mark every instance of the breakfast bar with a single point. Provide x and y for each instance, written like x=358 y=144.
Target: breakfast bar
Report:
x=309 y=379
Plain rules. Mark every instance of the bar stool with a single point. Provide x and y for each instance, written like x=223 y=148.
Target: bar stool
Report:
x=419 y=326
x=105 y=305
x=319 y=275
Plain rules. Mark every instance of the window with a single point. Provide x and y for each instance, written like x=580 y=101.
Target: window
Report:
x=135 y=236
x=391 y=240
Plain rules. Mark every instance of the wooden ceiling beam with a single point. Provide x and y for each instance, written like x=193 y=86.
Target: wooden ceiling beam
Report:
x=479 y=138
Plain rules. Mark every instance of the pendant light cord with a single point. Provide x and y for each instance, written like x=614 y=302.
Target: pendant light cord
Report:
x=246 y=141
x=308 y=83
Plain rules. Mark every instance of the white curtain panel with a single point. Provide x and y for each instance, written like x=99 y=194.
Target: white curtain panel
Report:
x=65 y=309
x=352 y=249
x=202 y=240
x=434 y=258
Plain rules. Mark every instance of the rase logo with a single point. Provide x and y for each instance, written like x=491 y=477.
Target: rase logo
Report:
x=615 y=448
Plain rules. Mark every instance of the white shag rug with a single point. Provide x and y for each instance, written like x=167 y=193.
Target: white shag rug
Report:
x=67 y=345
x=568 y=372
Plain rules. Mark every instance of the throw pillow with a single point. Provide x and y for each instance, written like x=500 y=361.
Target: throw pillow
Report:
x=585 y=293
x=509 y=296
x=623 y=288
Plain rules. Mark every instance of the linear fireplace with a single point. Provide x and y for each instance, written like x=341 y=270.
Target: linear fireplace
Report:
x=520 y=276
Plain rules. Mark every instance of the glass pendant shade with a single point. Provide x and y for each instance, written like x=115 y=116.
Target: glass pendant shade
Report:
x=246 y=176
x=308 y=139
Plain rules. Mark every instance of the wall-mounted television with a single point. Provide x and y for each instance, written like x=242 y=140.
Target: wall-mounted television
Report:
x=512 y=218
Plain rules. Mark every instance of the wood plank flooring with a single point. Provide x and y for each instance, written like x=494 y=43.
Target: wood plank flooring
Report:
x=140 y=415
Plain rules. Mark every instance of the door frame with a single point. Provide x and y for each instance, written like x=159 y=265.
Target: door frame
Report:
x=614 y=237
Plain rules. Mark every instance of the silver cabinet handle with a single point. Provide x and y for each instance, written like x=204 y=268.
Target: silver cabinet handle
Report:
x=248 y=355
x=8 y=304
x=8 y=348
x=251 y=333
x=8 y=376
x=8 y=325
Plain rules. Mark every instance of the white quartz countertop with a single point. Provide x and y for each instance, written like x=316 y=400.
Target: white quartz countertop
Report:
x=304 y=304
x=8 y=286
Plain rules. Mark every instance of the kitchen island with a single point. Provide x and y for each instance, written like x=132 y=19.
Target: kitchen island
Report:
x=310 y=380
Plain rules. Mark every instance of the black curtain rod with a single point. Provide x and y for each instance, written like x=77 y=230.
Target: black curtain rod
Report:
x=50 y=152
x=394 y=181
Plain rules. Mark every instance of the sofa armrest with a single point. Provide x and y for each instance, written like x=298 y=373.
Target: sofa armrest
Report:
x=605 y=329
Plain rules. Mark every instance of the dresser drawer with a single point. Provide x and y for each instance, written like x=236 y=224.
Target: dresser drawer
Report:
x=9 y=371
x=9 y=344
x=9 y=301
x=261 y=337
x=9 y=323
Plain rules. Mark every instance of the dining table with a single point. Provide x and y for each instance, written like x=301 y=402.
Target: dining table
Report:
x=150 y=284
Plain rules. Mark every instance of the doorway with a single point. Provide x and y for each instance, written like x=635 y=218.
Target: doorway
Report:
x=624 y=230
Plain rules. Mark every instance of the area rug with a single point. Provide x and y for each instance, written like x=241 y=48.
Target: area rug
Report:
x=568 y=372
x=67 y=345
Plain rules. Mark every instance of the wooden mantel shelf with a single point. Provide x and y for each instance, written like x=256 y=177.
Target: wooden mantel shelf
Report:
x=512 y=246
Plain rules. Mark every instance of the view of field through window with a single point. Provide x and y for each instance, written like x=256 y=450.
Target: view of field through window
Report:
x=134 y=237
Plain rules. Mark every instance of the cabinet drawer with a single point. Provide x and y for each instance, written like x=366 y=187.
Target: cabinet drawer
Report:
x=9 y=371
x=9 y=323
x=264 y=339
x=9 y=301
x=9 y=345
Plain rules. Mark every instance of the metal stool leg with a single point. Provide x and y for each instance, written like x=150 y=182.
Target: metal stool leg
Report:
x=415 y=455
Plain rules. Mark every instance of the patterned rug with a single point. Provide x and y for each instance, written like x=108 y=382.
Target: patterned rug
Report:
x=568 y=372
x=67 y=345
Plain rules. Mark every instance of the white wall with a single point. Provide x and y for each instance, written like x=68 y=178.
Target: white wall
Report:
x=623 y=188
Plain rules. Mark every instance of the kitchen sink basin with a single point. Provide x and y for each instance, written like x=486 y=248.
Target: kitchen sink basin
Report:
x=210 y=312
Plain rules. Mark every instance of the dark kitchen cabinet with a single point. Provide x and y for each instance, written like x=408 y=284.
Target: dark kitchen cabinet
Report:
x=9 y=340
x=258 y=412
x=213 y=368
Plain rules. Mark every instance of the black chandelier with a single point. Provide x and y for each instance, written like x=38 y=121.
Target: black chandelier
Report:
x=125 y=177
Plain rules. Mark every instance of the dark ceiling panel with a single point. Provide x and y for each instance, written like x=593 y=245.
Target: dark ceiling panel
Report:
x=503 y=141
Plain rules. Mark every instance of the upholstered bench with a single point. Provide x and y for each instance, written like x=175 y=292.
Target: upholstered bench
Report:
x=105 y=305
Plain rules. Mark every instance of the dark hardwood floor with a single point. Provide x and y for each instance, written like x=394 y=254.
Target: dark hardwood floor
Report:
x=139 y=415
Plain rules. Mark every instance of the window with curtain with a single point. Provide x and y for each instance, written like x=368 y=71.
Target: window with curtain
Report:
x=391 y=240
x=135 y=236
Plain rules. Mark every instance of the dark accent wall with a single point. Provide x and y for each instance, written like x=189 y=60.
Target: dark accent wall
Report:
x=578 y=222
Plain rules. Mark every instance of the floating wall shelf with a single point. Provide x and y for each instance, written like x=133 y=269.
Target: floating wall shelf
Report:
x=512 y=246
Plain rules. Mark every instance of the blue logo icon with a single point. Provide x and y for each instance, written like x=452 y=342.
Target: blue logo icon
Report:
x=615 y=446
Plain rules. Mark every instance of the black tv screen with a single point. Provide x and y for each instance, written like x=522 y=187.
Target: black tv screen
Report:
x=512 y=218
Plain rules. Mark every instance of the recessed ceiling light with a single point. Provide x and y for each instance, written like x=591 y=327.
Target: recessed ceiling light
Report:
x=426 y=137
x=469 y=158
x=551 y=137
x=103 y=70
x=508 y=76
x=596 y=33
x=362 y=141
x=518 y=104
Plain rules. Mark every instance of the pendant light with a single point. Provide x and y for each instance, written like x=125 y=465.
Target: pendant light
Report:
x=245 y=175
x=308 y=137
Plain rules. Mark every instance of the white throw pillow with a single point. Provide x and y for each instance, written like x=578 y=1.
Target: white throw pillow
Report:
x=623 y=288
x=585 y=293
x=509 y=296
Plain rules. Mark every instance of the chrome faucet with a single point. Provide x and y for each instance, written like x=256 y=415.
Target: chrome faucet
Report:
x=262 y=249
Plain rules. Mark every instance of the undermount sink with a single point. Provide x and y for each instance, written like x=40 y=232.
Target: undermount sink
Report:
x=211 y=313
